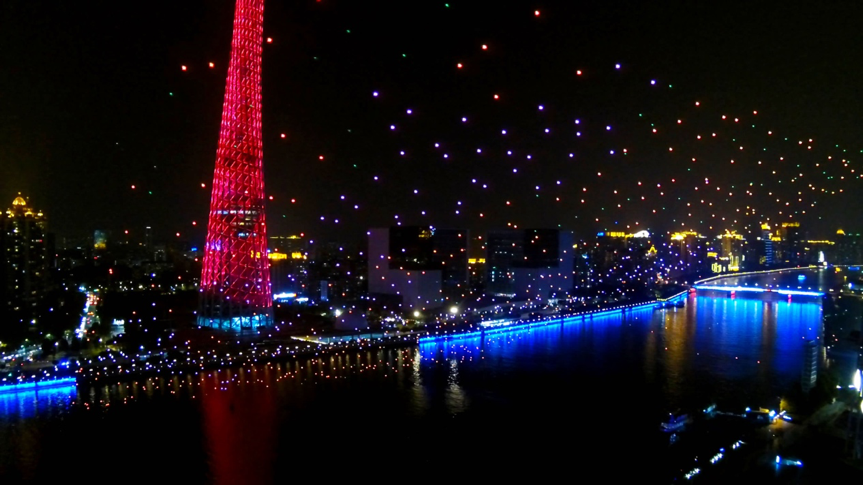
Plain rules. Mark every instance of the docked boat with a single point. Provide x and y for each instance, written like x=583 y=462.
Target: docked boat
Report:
x=675 y=422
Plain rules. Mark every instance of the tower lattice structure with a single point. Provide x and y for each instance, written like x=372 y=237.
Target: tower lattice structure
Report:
x=235 y=282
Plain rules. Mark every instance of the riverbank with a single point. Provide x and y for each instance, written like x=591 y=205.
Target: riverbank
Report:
x=508 y=395
x=263 y=350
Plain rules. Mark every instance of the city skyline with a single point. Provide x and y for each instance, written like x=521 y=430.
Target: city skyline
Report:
x=168 y=97
x=475 y=223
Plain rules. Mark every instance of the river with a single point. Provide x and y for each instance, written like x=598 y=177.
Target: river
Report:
x=582 y=400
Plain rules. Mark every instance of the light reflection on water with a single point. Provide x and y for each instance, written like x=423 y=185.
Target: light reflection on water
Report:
x=597 y=379
x=713 y=346
x=30 y=403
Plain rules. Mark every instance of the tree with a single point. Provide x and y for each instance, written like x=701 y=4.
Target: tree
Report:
x=48 y=347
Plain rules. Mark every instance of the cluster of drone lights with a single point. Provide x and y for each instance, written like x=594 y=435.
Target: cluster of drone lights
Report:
x=235 y=282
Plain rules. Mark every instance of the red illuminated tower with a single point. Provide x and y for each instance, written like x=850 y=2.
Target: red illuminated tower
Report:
x=235 y=283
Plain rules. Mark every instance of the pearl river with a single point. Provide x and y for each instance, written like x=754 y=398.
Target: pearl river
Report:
x=583 y=395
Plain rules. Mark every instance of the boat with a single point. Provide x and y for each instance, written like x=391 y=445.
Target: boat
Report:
x=669 y=304
x=675 y=422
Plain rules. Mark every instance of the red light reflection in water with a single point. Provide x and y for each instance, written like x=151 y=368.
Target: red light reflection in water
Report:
x=239 y=425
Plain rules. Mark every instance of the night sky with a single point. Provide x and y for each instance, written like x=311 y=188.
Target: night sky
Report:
x=93 y=100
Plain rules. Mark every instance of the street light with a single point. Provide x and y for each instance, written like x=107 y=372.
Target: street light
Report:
x=857 y=382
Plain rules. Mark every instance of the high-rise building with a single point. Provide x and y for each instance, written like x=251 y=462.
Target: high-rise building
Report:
x=148 y=238
x=421 y=265
x=766 y=254
x=337 y=273
x=618 y=264
x=732 y=252
x=584 y=267
x=690 y=250
x=819 y=252
x=476 y=274
x=849 y=248
x=502 y=248
x=790 y=243
x=289 y=265
x=530 y=263
x=235 y=281
x=24 y=263
x=810 y=365
x=100 y=239
x=450 y=247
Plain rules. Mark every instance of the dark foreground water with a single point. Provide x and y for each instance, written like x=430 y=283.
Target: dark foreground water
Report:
x=580 y=401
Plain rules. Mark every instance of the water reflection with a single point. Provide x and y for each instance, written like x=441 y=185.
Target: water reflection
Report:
x=239 y=428
x=31 y=403
x=747 y=347
x=261 y=423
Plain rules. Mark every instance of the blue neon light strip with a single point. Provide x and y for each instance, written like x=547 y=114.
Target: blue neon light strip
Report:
x=554 y=321
x=25 y=386
x=758 y=290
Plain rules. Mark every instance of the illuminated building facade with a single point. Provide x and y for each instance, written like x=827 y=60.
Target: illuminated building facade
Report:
x=235 y=281
x=618 y=263
x=476 y=274
x=24 y=263
x=100 y=240
x=691 y=250
x=809 y=374
x=422 y=265
x=790 y=241
x=819 y=252
x=849 y=248
x=731 y=253
x=289 y=265
x=766 y=247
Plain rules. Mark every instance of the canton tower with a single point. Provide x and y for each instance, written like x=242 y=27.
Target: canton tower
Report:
x=235 y=282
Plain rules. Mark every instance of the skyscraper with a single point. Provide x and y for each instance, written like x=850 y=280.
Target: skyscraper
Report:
x=809 y=374
x=289 y=264
x=420 y=265
x=849 y=248
x=235 y=282
x=530 y=263
x=790 y=244
x=766 y=256
x=24 y=263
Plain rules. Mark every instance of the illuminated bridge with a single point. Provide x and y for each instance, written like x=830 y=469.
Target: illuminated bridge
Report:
x=809 y=281
x=755 y=289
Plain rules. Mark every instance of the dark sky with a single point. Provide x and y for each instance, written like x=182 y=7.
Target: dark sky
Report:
x=86 y=111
